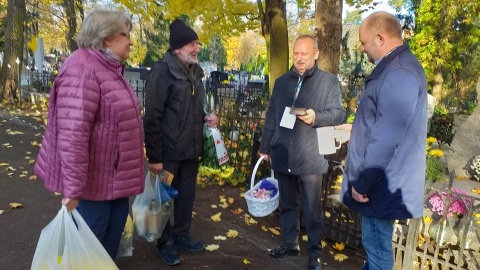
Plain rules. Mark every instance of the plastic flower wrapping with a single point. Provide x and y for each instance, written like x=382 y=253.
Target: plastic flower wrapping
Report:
x=266 y=190
x=458 y=206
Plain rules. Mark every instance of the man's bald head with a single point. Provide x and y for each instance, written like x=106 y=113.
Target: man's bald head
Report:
x=384 y=23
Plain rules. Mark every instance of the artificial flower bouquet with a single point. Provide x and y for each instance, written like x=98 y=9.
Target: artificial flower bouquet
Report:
x=458 y=206
x=266 y=190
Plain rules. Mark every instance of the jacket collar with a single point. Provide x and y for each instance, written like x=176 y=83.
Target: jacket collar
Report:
x=108 y=63
x=176 y=70
x=293 y=71
x=386 y=60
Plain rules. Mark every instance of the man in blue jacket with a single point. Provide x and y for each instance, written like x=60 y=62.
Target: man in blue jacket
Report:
x=290 y=143
x=385 y=170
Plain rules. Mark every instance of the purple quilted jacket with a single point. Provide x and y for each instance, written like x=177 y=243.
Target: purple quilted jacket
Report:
x=92 y=147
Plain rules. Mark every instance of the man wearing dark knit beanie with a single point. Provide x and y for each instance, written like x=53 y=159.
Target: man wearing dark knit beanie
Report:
x=173 y=125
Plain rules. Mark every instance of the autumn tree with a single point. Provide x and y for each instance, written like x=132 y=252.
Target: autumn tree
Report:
x=446 y=41
x=156 y=39
x=328 y=28
x=273 y=17
x=242 y=49
x=214 y=51
x=3 y=17
x=13 y=52
x=71 y=17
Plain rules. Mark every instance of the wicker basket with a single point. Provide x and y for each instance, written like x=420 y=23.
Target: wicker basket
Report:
x=261 y=207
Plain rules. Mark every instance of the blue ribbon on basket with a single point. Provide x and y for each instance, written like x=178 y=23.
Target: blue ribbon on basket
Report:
x=267 y=185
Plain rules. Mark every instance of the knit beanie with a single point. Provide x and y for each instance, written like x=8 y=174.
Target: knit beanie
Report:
x=181 y=34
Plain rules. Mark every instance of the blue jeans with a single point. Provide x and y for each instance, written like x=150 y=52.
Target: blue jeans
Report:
x=107 y=220
x=377 y=241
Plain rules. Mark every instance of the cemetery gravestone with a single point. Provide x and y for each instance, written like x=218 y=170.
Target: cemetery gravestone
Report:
x=465 y=144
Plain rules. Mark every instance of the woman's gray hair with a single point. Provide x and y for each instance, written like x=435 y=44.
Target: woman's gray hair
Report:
x=99 y=24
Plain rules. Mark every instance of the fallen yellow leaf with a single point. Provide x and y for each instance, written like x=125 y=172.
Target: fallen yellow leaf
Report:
x=476 y=190
x=223 y=200
x=242 y=195
x=224 y=205
x=220 y=237
x=57 y=193
x=237 y=211
x=272 y=230
x=477 y=215
x=264 y=228
x=212 y=247
x=1 y=211
x=340 y=257
x=216 y=217
x=339 y=246
x=421 y=240
x=427 y=219
x=15 y=205
x=34 y=143
x=31 y=161
x=213 y=206
x=249 y=220
x=4 y=164
x=221 y=197
x=327 y=214
x=324 y=243
x=305 y=237
x=245 y=261
x=230 y=200
x=10 y=132
x=232 y=233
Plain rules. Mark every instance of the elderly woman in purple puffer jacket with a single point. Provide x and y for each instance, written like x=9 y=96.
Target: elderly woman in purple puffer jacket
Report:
x=92 y=150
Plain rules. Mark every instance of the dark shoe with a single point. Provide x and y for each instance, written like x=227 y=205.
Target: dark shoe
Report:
x=314 y=264
x=285 y=251
x=168 y=253
x=189 y=244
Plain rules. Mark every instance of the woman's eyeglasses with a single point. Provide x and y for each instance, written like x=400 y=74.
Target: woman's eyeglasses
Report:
x=127 y=35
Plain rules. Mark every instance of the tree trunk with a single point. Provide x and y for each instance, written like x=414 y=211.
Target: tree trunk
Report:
x=13 y=52
x=274 y=30
x=69 y=6
x=328 y=30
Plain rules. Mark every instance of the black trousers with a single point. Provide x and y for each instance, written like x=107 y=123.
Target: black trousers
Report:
x=184 y=180
x=306 y=189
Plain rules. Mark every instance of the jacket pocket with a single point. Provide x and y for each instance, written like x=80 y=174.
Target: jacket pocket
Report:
x=117 y=160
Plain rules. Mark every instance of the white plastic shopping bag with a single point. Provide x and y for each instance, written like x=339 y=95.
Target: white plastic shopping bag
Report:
x=150 y=212
x=66 y=246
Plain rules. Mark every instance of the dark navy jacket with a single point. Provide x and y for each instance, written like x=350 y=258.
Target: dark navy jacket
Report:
x=386 y=152
x=295 y=151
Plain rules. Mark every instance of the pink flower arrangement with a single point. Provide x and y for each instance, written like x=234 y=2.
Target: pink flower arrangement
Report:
x=456 y=209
